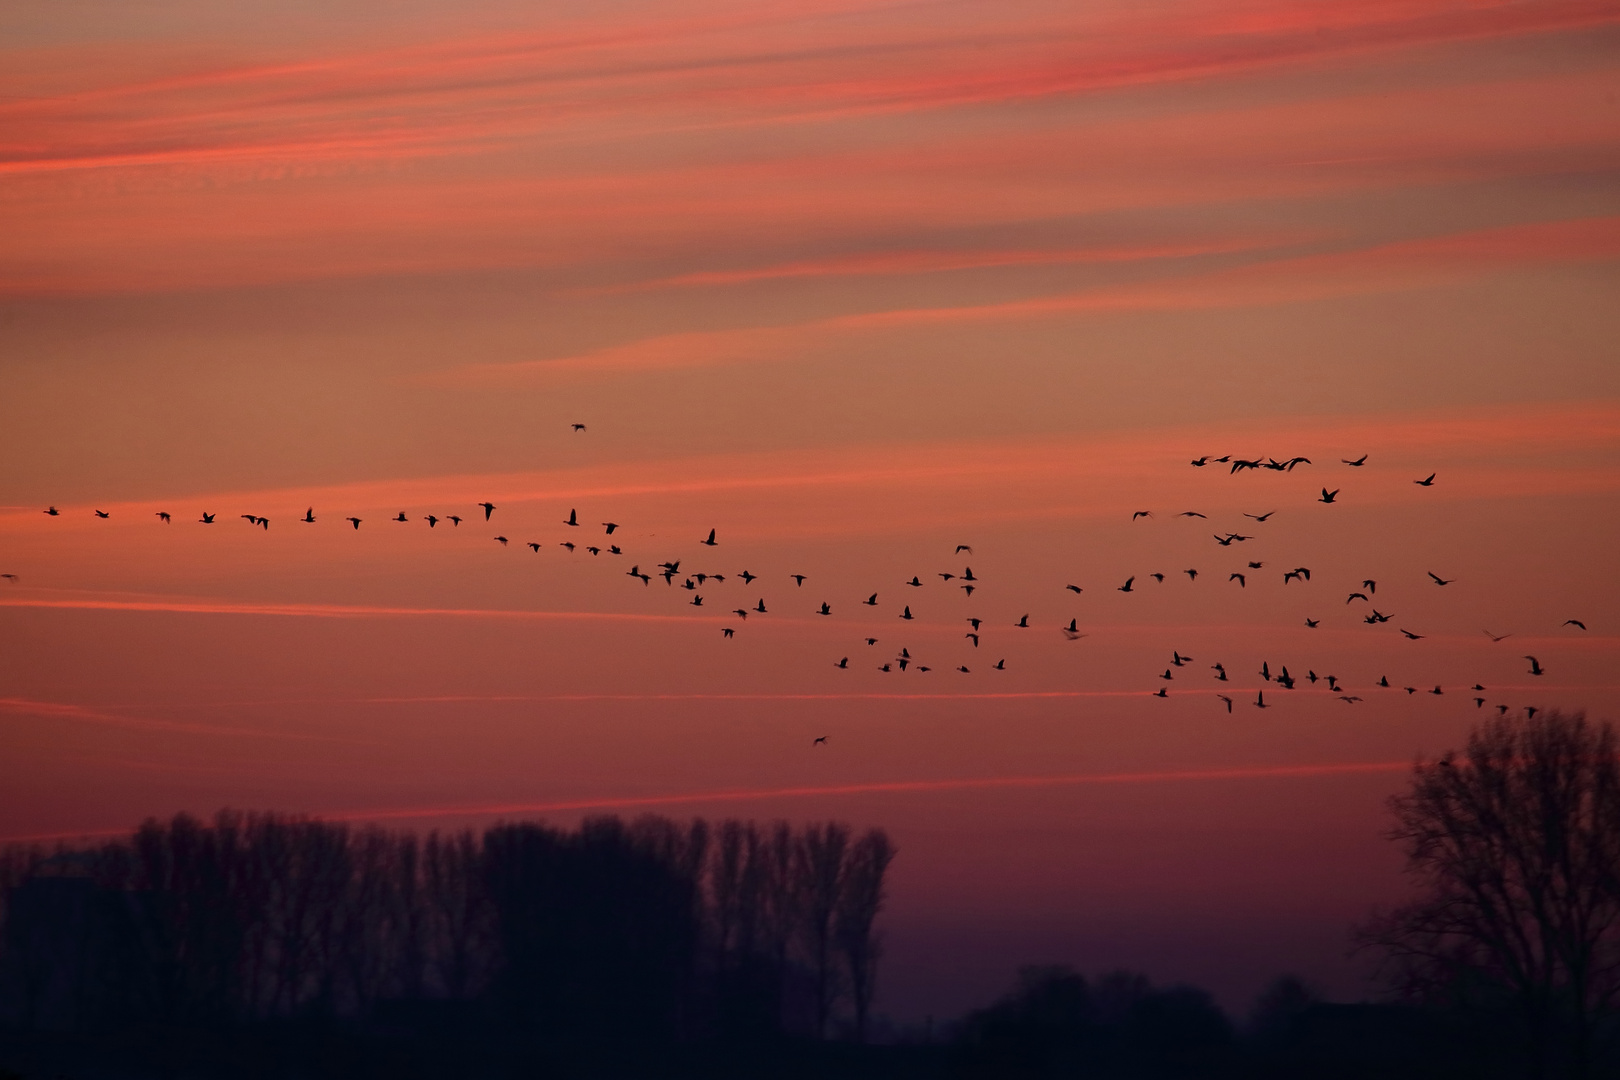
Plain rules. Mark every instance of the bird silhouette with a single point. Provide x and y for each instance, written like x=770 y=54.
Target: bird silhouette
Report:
x=1501 y=710
x=489 y=508
x=907 y=613
x=1530 y=712
x=741 y=613
x=433 y=522
x=1192 y=575
x=1199 y=463
x=963 y=547
x=798 y=579
x=609 y=526
x=1329 y=496
x=820 y=739
x=697 y=600
x=206 y=519
x=975 y=638
x=1220 y=672
x=871 y=641
x=1256 y=566
x=968 y=589
x=747 y=578
x=1285 y=680
x=1384 y=681
x=870 y=601
x=1226 y=699
x=760 y=607
x=573 y=518
x=1192 y=513
x=13 y=578
x=844 y=663
x=1479 y=703
x=1167 y=674
x=1000 y=665
x=1349 y=699
x=535 y=545
x=1438 y=580
x=1535 y=666
x=1023 y=623
x=593 y=550
x=502 y=539
x=353 y=521
x=915 y=583
x=1157 y=577
x=729 y=632
x=102 y=514
x=1426 y=482
x=1358 y=596
x=401 y=516
x=1574 y=622
x=1265 y=670
x=1127 y=586
x=569 y=544
x=455 y=520
x=1242 y=581
x=308 y=518
x=947 y=577
x=1141 y=514
x=1072 y=631
x=1260 y=700
x=163 y=515
x=1411 y=636
x=1260 y=517
x=1177 y=660
x=53 y=511
x=825 y=610
x=1360 y=461
x=578 y=427
x=1074 y=589
x=711 y=542
x=974 y=621
x=1312 y=623
x=1160 y=692
x=963 y=669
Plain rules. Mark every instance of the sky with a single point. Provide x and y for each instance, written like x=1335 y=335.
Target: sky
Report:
x=853 y=284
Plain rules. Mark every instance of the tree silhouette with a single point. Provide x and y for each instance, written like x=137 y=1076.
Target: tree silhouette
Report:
x=1514 y=845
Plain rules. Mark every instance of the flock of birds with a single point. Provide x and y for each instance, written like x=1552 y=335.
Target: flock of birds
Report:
x=691 y=581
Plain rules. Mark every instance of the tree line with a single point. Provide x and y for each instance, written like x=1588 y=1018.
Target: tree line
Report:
x=651 y=928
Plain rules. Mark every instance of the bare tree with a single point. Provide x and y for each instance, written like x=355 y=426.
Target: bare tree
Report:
x=821 y=853
x=859 y=902
x=1515 y=847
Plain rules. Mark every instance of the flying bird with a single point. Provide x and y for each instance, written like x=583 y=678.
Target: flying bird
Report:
x=1192 y=513
x=502 y=539
x=747 y=578
x=1256 y=566
x=401 y=516
x=1127 y=586
x=1371 y=586
x=1072 y=631
x=968 y=589
x=163 y=515
x=871 y=641
x=455 y=520
x=578 y=427
x=915 y=582
x=963 y=669
x=947 y=577
x=1312 y=623
x=798 y=578
x=489 y=508
x=1360 y=461
x=697 y=600
x=870 y=601
x=206 y=519
x=974 y=621
x=569 y=544
x=432 y=521
x=1265 y=670
x=844 y=663
x=1535 y=666
x=1220 y=672
x=609 y=526
x=1357 y=596
x=1575 y=622
x=1438 y=580
x=1329 y=496
x=13 y=578
x=760 y=607
x=1199 y=463
x=573 y=518
x=1349 y=699
x=820 y=739
x=1260 y=700
x=1260 y=517
x=825 y=610
x=1157 y=577
x=1074 y=588
x=1411 y=636
x=1160 y=692
x=1242 y=581
x=1226 y=699
x=353 y=521
x=53 y=511
x=1426 y=482
x=1001 y=665
x=975 y=638
x=1141 y=514
x=1192 y=575
x=535 y=546
x=963 y=547
x=711 y=542
x=1023 y=622
x=904 y=615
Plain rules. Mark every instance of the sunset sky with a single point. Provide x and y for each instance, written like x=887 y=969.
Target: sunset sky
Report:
x=851 y=283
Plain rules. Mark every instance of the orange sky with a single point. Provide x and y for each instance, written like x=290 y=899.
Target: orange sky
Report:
x=852 y=283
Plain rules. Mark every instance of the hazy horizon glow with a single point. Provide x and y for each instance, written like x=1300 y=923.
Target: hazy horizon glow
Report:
x=852 y=283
